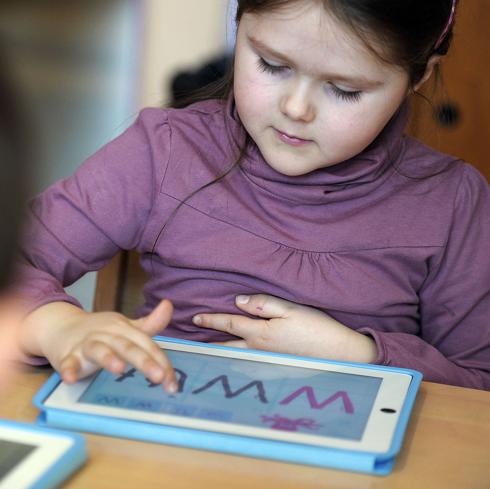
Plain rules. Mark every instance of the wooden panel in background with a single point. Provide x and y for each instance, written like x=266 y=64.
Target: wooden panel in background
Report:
x=120 y=285
x=466 y=81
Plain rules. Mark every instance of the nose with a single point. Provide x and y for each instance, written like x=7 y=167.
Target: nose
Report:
x=296 y=103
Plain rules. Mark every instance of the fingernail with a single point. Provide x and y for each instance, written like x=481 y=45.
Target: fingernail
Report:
x=172 y=388
x=156 y=374
x=242 y=299
x=116 y=365
x=68 y=376
x=197 y=320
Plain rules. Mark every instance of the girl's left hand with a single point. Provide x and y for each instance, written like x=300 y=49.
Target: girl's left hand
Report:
x=291 y=328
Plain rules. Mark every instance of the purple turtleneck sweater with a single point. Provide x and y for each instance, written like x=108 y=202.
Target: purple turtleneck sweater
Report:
x=392 y=243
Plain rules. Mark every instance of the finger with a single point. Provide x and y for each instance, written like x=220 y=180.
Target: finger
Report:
x=234 y=343
x=233 y=324
x=264 y=306
x=103 y=355
x=152 y=324
x=106 y=350
x=70 y=369
x=146 y=357
x=76 y=366
x=140 y=338
x=157 y=320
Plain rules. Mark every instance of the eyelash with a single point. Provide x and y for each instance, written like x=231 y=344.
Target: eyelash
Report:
x=267 y=68
x=338 y=92
x=346 y=96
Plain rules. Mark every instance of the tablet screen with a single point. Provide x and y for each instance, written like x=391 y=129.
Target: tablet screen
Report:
x=250 y=393
x=29 y=454
x=11 y=454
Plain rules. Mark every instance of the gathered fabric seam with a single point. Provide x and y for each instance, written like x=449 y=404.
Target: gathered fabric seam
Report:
x=186 y=204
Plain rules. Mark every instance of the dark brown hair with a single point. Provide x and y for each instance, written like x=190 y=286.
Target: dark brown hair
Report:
x=400 y=32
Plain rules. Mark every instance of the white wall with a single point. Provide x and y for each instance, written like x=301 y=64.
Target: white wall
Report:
x=178 y=34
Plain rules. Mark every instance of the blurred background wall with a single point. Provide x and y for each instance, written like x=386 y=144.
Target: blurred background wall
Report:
x=84 y=68
x=177 y=34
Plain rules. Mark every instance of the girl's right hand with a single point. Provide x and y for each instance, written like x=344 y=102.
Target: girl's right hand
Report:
x=83 y=342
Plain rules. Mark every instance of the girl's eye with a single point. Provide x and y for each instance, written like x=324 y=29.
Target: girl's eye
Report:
x=348 y=96
x=268 y=68
x=345 y=95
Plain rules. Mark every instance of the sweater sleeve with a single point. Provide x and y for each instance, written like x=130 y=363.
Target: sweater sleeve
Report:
x=78 y=224
x=453 y=346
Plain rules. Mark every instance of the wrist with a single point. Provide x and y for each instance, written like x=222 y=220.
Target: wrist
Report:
x=351 y=346
x=43 y=329
x=368 y=350
x=357 y=347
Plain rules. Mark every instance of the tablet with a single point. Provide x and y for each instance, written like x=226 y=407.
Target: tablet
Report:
x=253 y=396
x=34 y=457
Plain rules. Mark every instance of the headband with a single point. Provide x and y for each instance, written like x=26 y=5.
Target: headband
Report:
x=448 y=26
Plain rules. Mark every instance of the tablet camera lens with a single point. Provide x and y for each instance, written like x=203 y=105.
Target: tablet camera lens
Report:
x=388 y=410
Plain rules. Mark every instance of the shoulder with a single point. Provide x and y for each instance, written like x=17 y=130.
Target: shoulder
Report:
x=167 y=133
x=473 y=194
x=198 y=144
x=196 y=115
x=203 y=126
x=433 y=170
x=431 y=191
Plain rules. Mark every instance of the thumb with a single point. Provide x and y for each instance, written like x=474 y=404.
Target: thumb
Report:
x=157 y=320
x=264 y=306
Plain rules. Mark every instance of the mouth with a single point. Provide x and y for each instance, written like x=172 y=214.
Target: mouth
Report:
x=290 y=139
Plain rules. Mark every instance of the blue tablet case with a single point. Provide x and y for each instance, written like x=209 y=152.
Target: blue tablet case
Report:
x=367 y=462
x=68 y=463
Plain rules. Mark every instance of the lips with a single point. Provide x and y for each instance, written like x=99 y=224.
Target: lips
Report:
x=290 y=139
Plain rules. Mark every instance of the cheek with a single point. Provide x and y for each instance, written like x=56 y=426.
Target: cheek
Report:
x=253 y=90
x=343 y=138
x=251 y=99
x=365 y=130
x=364 y=124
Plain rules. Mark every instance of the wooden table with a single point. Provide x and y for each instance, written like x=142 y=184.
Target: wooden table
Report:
x=447 y=445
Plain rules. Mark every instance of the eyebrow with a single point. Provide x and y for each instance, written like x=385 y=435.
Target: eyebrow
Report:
x=355 y=80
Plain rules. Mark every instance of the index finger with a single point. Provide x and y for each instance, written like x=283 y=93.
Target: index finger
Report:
x=133 y=347
x=233 y=324
x=143 y=353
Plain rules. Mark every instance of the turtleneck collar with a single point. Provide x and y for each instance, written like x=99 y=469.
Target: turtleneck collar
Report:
x=354 y=177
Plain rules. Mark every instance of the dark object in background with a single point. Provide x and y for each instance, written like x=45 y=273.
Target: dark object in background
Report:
x=15 y=155
x=185 y=83
x=447 y=115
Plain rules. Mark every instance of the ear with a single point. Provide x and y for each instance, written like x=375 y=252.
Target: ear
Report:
x=432 y=63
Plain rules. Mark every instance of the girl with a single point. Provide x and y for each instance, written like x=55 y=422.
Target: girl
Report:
x=293 y=216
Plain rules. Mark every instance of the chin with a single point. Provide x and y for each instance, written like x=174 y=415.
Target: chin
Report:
x=291 y=171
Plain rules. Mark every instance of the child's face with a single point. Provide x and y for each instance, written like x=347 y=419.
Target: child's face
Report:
x=308 y=91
